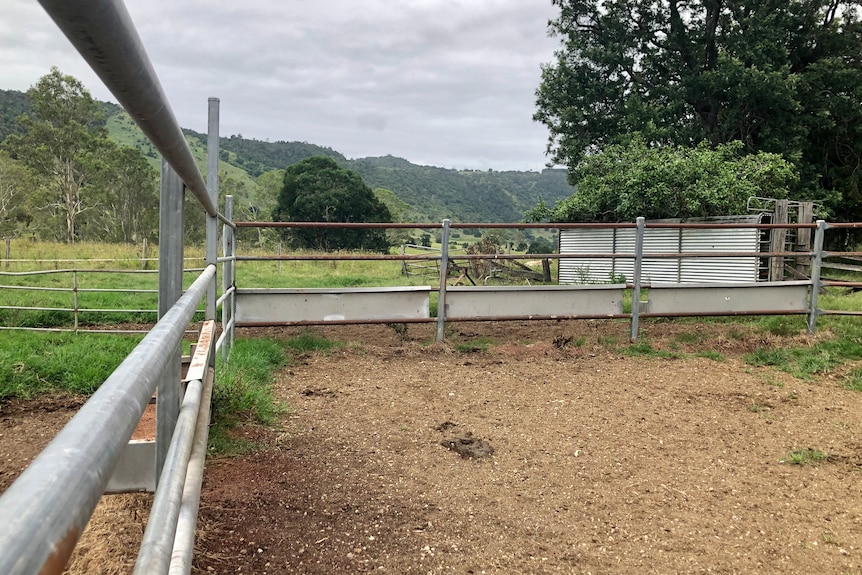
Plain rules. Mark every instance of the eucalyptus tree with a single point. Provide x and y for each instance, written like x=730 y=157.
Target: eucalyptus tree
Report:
x=64 y=143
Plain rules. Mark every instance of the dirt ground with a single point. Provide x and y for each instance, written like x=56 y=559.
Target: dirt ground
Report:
x=591 y=461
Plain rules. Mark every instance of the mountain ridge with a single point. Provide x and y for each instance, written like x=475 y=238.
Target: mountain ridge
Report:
x=433 y=193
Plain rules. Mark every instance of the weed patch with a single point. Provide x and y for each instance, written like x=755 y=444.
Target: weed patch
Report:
x=804 y=457
x=243 y=392
x=477 y=345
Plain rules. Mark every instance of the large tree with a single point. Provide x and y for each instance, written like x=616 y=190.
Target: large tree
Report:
x=630 y=180
x=64 y=142
x=780 y=76
x=15 y=184
x=319 y=190
x=128 y=197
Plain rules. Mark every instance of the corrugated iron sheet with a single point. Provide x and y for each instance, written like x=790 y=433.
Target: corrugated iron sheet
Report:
x=662 y=241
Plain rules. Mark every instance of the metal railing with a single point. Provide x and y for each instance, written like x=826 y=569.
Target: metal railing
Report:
x=73 y=307
x=44 y=512
x=639 y=280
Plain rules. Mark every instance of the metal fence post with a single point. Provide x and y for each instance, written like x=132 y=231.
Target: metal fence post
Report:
x=636 y=280
x=232 y=232
x=75 y=303
x=444 y=274
x=816 y=266
x=212 y=188
x=227 y=274
x=170 y=289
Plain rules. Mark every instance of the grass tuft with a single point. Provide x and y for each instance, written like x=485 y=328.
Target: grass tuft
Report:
x=853 y=380
x=243 y=392
x=644 y=348
x=804 y=457
x=308 y=341
x=478 y=345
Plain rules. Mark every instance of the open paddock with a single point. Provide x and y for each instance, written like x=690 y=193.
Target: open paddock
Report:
x=603 y=462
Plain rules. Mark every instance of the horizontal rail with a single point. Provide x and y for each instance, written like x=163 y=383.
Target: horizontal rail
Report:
x=157 y=545
x=44 y=512
x=225 y=333
x=79 y=290
x=183 y=549
x=568 y=255
x=155 y=554
x=333 y=322
x=103 y=33
x=91 y=271
x=517 y=226
x=225 y=295
x=73 y=330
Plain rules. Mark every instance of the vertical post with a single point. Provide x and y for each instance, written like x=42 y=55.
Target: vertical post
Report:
x=232 y=234
x=75 y=298
x=636 y=280
x=444 y=274
x=8 y=251
x=279 y=261
x=803 y=236
x=816 y=264
x=227 y=275
x=212 y=188
x=778 y=240
x=170 y=289
x=144 y=255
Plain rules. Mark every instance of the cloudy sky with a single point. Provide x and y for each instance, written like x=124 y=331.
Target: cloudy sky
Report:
x=439 y=82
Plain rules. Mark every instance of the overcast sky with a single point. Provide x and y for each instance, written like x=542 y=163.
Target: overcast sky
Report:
x=439 y=82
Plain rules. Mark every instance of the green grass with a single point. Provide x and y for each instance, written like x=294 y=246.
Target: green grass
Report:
x=710 y=354
x=853 y=380
x=476 y=345
x=818 y=358
x=804 y=457
x=244 y=393
x=82 y=267
x=32 y=364
x=307 y=342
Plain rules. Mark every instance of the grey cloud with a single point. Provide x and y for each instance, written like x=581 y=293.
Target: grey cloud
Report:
x=443 y=82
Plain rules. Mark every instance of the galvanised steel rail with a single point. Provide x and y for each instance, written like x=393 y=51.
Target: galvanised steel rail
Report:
x=76 y=310
x=103 y=33
x=815 y=254
x=44 y=512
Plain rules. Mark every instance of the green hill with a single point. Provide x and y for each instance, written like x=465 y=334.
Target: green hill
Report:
x=433 y=193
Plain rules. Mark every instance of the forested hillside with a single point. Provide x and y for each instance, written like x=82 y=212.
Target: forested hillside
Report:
x=433 y=193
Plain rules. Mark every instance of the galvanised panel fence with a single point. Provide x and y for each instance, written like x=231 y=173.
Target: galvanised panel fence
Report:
x=465 y=303
x=43 y=514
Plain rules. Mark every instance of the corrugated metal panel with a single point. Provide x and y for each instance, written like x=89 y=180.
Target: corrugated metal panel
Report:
x=586 y=270
x=660 y=241
x=624 y=242
x=719 y=270
x=664 y=241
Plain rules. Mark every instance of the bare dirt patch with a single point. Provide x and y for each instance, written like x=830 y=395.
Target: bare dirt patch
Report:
x=602 y=462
